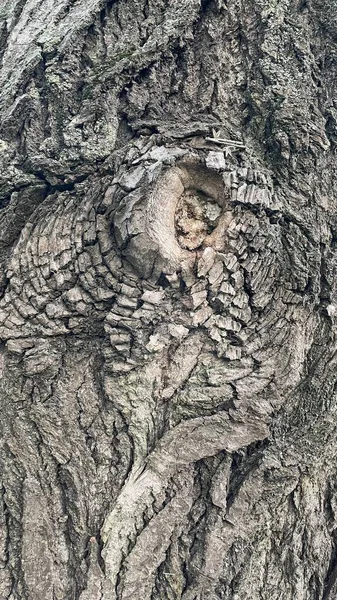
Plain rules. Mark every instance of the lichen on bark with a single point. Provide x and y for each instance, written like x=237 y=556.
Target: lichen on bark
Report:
x=168 y=300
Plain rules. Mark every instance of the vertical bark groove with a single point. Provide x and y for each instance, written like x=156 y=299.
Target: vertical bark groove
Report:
x=167 y=300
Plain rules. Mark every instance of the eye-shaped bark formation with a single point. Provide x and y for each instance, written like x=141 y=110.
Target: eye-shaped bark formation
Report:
x=166 y=221
x=178 y=266
x=167 y=300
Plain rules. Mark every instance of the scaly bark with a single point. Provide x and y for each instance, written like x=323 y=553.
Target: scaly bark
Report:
x=168 y=300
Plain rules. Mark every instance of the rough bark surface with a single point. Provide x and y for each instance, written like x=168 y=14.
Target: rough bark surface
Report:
x=168 y=301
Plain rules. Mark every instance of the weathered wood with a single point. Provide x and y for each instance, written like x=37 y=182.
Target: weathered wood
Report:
x=168 y=300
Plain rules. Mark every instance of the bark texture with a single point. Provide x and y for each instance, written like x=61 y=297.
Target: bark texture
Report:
x=168 y=301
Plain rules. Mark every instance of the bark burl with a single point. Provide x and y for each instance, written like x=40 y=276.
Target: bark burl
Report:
x=168 y=304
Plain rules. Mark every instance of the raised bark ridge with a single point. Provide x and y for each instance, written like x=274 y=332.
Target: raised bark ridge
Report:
x=167 y=313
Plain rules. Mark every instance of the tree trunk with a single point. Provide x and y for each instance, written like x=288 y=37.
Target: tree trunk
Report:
x=168 y=300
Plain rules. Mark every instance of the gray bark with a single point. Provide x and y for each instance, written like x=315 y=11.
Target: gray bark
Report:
x=168 y=300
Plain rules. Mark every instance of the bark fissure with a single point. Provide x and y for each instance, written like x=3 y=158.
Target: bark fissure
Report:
x=167 y=300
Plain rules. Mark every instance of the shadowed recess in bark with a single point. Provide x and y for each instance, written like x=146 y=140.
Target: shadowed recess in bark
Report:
x=167 y=300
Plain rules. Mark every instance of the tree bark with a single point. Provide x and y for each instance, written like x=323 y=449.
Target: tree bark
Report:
x=168 y=304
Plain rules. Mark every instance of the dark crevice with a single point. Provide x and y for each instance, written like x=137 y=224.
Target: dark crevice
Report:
x=4 y=201
x=244 y=463
x=331 y=576
x=100 y=558
x=206 y=6
x=163 y=281
x=62 y=187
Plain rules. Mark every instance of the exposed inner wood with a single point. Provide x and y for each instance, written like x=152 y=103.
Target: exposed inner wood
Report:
x=168 y=300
